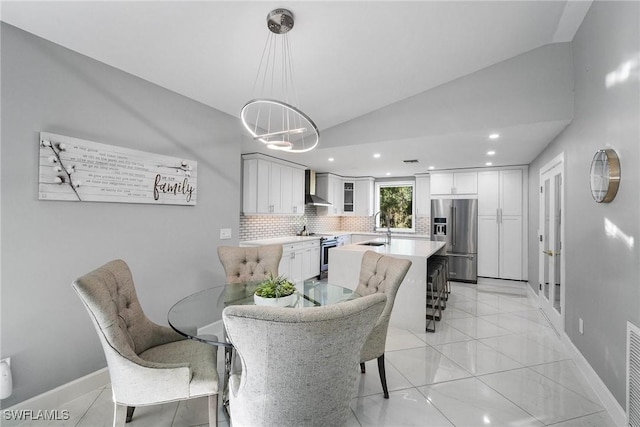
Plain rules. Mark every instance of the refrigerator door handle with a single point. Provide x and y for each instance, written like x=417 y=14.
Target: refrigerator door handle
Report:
x=470 y=256
x=453 y=225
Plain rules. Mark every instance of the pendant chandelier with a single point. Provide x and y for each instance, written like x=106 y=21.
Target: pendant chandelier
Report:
x=272 y=118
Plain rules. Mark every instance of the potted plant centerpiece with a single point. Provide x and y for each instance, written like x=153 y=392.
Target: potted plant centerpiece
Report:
x=275 y=291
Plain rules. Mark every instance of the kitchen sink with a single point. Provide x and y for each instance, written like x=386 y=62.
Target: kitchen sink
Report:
x=372 y=244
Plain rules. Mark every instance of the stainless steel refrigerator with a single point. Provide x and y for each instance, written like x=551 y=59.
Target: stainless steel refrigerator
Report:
x=455 y=221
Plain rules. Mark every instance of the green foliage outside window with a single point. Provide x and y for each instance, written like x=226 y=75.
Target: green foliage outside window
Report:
x=396 y=205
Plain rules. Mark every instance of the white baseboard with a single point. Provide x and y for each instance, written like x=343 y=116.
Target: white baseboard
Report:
x=610 y=403
x=531 y=294
x=56 y=398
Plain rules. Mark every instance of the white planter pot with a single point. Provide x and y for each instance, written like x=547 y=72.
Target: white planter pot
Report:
x=287 y=301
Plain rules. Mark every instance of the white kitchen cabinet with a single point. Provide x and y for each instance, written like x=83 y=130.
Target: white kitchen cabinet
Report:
x=297 y=179
x=423 y=195
x=348 y=197
x=510 y=254
x=500 y=224
x=364 y=188
x=500 y=189
x=311 y=259
x=271 y=187
x=452 y=183
x=300 y=261
x=330 y=188
x=344 y=239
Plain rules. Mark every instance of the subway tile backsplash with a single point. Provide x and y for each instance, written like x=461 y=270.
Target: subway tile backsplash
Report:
x=267 y=226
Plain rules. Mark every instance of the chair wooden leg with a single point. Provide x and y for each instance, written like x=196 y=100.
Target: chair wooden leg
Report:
x=213 y=410
x=119 y=415
x=362 y=368
x=383 y=376
x=130 y=410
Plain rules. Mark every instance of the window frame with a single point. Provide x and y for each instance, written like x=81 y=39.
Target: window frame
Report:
x=396 y=183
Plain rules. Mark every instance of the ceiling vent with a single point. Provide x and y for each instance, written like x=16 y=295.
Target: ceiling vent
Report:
x=411 y=161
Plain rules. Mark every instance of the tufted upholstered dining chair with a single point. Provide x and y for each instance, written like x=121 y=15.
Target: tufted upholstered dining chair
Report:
x=380 y=274
x=246 y=264
x=148 y=363
x=299 y=366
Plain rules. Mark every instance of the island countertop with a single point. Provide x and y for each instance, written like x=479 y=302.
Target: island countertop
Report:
x=398 y=247
x=410 y=303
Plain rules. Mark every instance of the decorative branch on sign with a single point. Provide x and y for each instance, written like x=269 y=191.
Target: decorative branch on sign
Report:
x=64 y=174
x=112 y=174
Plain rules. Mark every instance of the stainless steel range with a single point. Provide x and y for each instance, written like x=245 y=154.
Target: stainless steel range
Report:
x=326 y=243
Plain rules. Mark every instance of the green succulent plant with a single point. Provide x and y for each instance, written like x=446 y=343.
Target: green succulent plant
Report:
x=275 y=287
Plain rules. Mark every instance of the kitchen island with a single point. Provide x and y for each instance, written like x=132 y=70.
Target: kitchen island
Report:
x=409 y=309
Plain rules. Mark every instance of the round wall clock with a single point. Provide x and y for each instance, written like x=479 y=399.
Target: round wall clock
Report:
x=605 y=175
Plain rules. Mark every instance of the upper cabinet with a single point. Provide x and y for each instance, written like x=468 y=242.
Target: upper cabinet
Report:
x=454 y=183
x=423 y=195
x=364 y=188
x=500 y=192
x=330 y=187
x=271 y=186
x=348 y=196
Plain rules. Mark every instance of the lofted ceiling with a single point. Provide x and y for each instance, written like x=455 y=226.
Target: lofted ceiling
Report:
x=424 y=80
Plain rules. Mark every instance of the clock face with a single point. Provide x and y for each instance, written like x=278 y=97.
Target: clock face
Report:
x=604 y=176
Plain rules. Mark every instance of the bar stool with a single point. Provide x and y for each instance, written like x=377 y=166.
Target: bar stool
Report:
x=447 y=284
x=435 y=276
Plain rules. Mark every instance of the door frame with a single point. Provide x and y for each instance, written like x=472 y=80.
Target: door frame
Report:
x=555 y=167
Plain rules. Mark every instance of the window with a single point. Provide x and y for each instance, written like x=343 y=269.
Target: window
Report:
x=394 y=200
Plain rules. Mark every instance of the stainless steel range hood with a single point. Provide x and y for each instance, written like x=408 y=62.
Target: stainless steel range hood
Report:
x=310 y=190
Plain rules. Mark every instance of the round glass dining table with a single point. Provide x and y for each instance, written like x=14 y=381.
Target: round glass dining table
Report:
x=198 y=314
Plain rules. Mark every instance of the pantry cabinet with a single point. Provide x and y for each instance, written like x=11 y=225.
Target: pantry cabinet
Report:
x=271 y=186
x=500 y=224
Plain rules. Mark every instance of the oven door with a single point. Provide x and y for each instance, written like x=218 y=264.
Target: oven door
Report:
x=324 y=253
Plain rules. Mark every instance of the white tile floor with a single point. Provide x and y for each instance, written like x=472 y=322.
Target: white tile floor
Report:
x=493 y=360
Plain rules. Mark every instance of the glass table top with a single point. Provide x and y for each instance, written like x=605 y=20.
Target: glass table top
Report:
x=196 y=315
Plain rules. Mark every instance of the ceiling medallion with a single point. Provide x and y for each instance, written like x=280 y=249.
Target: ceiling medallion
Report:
x=272 y=118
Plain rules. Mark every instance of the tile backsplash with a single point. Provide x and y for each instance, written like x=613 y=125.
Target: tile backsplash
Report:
x=267 y=226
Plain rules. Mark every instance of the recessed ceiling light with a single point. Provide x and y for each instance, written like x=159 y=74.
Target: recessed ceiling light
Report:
x=431 y=167
x=494 y=136
x=331 y=159
x=491 y=153
x=488 y=164
x=376 y=155
x=388 y=173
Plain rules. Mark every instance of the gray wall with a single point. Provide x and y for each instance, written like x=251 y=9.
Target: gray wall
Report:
x=47 y=244
x=602 y=272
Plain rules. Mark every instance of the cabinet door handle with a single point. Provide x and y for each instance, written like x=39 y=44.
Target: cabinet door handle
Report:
x=497 y=215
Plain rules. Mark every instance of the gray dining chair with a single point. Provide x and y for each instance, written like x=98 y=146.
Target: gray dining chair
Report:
x=299 y=365
x=148 y=363
x=248 y=264
x=380 y=274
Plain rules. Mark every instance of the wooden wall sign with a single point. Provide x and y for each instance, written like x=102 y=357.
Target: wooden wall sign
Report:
x=79 y=170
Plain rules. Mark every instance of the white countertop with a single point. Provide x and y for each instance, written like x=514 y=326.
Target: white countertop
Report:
x=371 y=233
x=279 y=240
x=398 y=246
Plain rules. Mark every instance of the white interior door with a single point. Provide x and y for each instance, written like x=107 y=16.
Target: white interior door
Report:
x=551 y=232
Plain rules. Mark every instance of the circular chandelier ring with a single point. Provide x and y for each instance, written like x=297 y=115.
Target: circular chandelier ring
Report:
x=285 y=132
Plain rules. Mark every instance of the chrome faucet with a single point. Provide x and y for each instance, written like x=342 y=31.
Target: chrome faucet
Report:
x=375 y=229
x=375 y=215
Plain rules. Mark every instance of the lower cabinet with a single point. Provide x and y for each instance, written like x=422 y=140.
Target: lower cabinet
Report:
x=300 y=261
x=500 y=246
